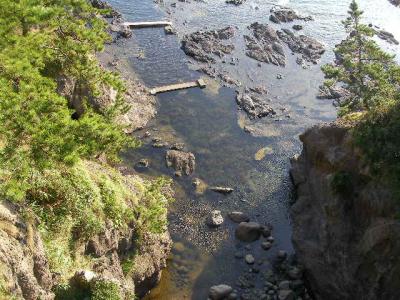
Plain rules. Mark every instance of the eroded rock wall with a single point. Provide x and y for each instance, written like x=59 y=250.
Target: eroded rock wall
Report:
x=347 y=240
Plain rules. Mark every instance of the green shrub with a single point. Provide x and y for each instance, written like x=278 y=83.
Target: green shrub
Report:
x=378 y=135
x=105 y=290
x=341 y=183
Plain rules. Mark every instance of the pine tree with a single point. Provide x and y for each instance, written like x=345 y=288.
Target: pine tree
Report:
x=365 y=70
x=41 y=40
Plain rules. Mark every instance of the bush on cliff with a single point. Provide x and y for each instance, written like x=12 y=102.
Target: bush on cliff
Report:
x=40 y=41
x=373 y=79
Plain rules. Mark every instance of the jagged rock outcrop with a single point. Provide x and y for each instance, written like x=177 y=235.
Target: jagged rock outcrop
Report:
x=264 y=45
x=346 y=230
x=141 y=105
x=24 y=269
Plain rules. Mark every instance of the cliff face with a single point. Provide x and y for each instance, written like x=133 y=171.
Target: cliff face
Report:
x=345 y=227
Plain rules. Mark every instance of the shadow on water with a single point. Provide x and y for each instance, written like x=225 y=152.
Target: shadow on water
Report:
x=208 y=123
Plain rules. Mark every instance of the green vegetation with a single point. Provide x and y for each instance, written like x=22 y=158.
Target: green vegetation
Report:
x=373 y=79
x=42 y=41
x=366 y=71
x=50 y=140
x=105 y=290
x=341 y=183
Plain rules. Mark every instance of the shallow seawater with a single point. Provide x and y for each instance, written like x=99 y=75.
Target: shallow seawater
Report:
x=208 y=122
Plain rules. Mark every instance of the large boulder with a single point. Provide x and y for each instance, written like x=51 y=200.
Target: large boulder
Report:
x=181 y=161
x=248 y=231
x=220 y=292
x=346 y=237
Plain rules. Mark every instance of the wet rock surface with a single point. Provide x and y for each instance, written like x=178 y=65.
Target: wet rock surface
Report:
x=254 y=104
x=264 y=45
x=286 y=15
x=205 y=46
x=387 y=36
x=248 y=231
x=235 y=2
x=310 y=49
x=181 y=161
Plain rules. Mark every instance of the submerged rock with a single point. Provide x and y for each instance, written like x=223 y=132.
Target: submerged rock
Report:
x=205 y=46
x=220 y=292
x=181 y=161
x=264 y=45
x=286 y=15
x=221 y=190
x=215 y=218
x=248 y=231
x=235 y=2
x=249 y=259
x=238 y=217
x=310 y=48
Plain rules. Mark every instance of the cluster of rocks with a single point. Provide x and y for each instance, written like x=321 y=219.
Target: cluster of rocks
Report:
x=284 y=281
x=310 y=49
x=203 y=46
x=387 y=36
x=254 y=103
x=286 y=15
x=265 y=45
x=235 y=2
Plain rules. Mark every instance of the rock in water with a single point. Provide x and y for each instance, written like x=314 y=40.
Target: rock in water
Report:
x=205 y=46
x=235 y=2
x=221 y=190
x=215 y=218
x=265 y=45
x=220 y=292
x=249 y=259
x=286 y=295
x=238 y=217
x=181 y=161
x=286 y=15
x=310 y=49
x=248 y=231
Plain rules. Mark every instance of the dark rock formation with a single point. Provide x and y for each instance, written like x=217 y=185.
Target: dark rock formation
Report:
x=395 y=2
x=347 y=236
x=180 y=161
x=235 y=2
x=248 y=231
x=23 y=262
x=387 y=36
x=254 y=105
x=203 y=46
x=265 y=45
x=310 y=49
x=286 y=15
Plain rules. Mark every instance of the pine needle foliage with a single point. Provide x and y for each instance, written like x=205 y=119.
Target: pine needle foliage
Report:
x=362 y=67
x=41 y=40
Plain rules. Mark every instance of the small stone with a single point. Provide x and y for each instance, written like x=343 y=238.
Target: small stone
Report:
x=215 y=218
x=266 y=231
x=282 y=254
x=239 y=255
x=284 y=285
x=266 y=245
x=297 y=27
x=270 y=239
x=294 y=273
x=247 y=247
x=219 y=292
x=221 y=190
x=143 y=163
x=279 y=76
x=238 y=217
x=249 y=259
x=286 y=295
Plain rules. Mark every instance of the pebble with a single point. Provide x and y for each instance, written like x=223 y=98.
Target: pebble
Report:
x=249 y=259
